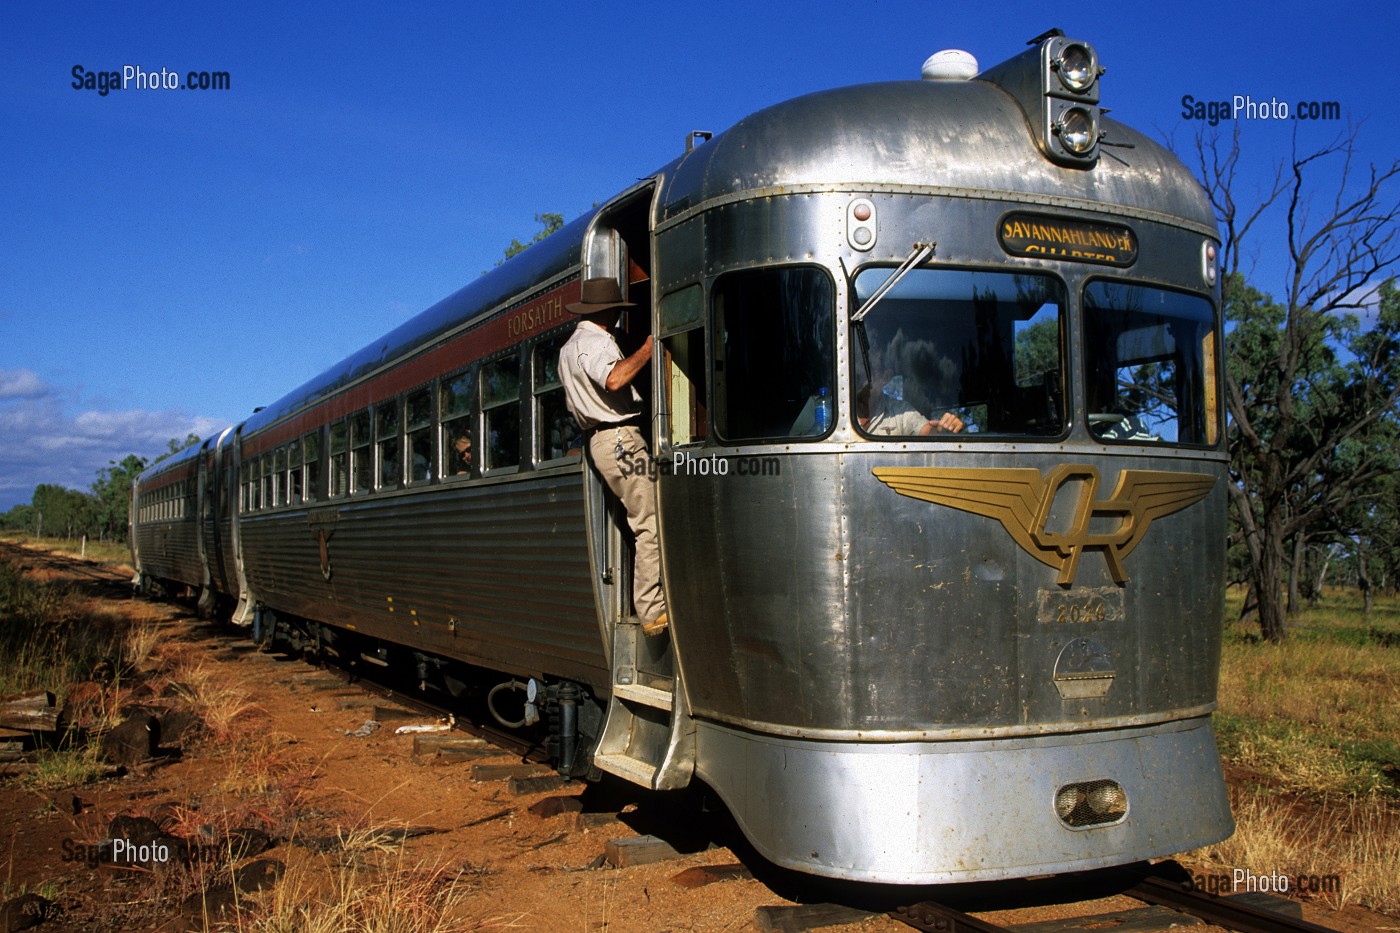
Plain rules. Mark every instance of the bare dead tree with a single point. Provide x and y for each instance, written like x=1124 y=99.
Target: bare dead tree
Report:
x=1306 y=387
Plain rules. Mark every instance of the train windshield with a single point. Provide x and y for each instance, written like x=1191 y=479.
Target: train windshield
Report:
x=1149 y=358
x=985 y=348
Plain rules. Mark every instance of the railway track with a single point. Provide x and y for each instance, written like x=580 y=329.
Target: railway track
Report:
x=1158 y=886
x=110 y=578
x=112 y=582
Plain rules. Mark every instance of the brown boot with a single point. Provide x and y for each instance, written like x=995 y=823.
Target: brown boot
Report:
x=656 y=626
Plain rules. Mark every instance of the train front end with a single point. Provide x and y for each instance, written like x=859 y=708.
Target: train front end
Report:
x=943 y=489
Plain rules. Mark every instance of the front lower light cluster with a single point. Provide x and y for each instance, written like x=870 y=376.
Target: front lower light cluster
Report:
x=1091 y=803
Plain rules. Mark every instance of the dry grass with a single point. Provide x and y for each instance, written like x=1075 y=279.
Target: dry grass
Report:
x=225 y=708
x=1319 y=713
x=370 y=891
x=53 y=769
x=1356 y=842
x=143 y=637
x=110 y=553
x=1317 y=721
x=51 y=636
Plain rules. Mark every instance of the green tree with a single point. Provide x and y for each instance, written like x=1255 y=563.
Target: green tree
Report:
x=175 y=445
x=61 y=512
x=19 y=518
x=1312 y=395
x=112 y=493
x=548 y=224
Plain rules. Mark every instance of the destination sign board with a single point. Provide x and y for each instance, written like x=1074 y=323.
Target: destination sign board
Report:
x=1039 y=236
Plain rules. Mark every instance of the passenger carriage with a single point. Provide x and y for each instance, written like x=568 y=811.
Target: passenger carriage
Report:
x=900 y=656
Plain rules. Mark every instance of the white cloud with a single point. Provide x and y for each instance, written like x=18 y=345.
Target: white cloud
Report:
x=41 y=441
x=21 y=383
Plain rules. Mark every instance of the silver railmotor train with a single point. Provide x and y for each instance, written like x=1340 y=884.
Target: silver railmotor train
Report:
x=898 y=654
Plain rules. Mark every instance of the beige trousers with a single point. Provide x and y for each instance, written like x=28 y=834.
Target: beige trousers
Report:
x=630 y=474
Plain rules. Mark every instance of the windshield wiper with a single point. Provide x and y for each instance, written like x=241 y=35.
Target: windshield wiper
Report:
x=920 y=253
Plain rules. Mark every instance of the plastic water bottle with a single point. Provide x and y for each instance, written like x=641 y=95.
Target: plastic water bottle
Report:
x=823 y=411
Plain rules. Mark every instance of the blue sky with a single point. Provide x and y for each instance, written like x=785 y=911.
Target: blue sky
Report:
x=172 y=259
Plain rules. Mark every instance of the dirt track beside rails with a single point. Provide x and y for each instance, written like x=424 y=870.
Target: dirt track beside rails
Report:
x=345 y=813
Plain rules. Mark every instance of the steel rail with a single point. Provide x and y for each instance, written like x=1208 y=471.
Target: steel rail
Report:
x=1221 y=911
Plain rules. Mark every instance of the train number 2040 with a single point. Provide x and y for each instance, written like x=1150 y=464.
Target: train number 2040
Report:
x=1084 y=604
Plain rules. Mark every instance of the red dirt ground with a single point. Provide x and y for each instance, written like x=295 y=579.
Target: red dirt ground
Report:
x=287 y=766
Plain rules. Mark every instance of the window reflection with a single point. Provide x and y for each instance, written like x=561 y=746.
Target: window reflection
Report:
x=947 y=352
x=1149 y=358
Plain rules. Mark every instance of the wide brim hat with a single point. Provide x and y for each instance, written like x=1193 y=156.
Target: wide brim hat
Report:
x=597 y=295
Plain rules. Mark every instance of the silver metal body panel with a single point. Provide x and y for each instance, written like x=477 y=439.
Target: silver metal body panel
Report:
x=947 y=812
x=221 y=492
x=455 y=570
x=168 y=548
x=834 y=607
x=962 y=137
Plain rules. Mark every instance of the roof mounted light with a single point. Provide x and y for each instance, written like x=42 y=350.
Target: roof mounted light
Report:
x=1077 y=129
x=949 y=65
x=1077 y=66
x=1056 y=82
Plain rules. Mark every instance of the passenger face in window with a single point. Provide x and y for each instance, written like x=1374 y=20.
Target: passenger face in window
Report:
x=461 y=454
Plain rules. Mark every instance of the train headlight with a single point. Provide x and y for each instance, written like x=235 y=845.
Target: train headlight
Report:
x=1069 y=99
x=1056 y=82
x=1091 y=803
x=1077 y=66
x=1078 y=130
x=1066 y=800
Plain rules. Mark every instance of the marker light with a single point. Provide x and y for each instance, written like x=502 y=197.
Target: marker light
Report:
x=1077 y=67
x=862 y=224
x=1209 y=268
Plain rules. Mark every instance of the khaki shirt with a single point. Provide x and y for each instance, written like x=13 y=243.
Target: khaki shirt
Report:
x=584 y=364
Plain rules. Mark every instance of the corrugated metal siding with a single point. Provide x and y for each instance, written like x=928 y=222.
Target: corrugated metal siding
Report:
x=507 y=561
x=170 y=551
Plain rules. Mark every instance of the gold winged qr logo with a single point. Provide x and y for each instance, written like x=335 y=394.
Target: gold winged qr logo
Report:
x=1022 y=498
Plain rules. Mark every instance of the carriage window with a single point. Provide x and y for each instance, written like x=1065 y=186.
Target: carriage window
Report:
x=419 y=425
x=773 y=336
x=294 y=472
x=455 y=406
x=500 y=401
x=386 y=433
x=340 y=460
x=361 y=453
x=559 y=434
x=946 y=353
x=279 y=478
x=311 y=466
x=265 y=501
x=1149 y=359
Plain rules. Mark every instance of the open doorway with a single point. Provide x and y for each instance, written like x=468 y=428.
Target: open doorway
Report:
x=618 y=246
